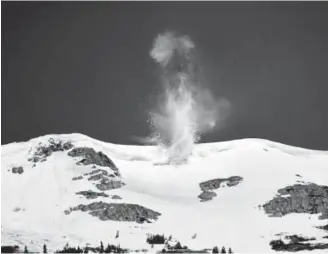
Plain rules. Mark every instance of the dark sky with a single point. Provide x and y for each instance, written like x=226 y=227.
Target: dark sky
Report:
x=85 y=67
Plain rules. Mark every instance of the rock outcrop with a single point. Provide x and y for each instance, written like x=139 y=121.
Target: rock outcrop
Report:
x=105 y=184
x=17 y=170
x=217 y=183
x=89 y=194
x=44 y=151
x=90 y=156
x=310 y=198
x=323 y=227
x=115 y=197
x=297 y=243
x=118 y=212
x=105 y=180
x=77 y=178
x=214 y=184
x=99 y=174
x=206 y=196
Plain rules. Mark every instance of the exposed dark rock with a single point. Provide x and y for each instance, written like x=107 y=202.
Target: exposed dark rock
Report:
x=323 y=227
x=106 y=184
x=90 y=156
x=44 y=151
x=311 y=198
x=89 y=194
x=294 y=246
x=214 y=184
x=17 y=209
x=96 y=177
x=105 y=180
x=99 y=174
x=206 y=195
x=297 y=238
x=17 y=170
x=77 y=178
x=96 y=171
x=67 y=212
x=116 y=197
x=119 y=212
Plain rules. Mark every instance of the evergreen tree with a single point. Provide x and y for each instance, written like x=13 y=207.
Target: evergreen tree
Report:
x=230 y=251
x=178 y=246
x=45 y=248
x=215 y=249
x=85 y=249
x=25 y=250
x=107 y=250
x=79 y=249
x=101 y=247
x=223 y=250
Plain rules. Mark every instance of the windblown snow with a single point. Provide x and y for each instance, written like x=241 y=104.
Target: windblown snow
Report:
x=34 y=202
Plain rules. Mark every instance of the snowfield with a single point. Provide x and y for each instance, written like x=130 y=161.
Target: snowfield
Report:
x=33 y=203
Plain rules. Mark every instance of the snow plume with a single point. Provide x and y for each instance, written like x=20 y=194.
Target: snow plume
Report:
x=186 y=108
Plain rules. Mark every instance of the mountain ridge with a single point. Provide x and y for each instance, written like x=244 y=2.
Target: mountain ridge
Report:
x=40 y=196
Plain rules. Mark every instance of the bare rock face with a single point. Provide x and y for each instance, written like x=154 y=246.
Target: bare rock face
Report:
x=77 y=178
x=118 y=212
x=106 y=185
x=44 y=151
x=206 y=196
x=90 y=156
x=89 y=194
x=323 y=227
x=310 y=198
x=17 y=170
x=214 y=184
x=100 y=174
x=295 y=243
x=105 y=180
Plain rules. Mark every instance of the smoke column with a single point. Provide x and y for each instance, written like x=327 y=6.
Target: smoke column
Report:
x=186 y=108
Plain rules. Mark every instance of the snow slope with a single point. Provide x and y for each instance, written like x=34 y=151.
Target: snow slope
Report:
x=232 y=219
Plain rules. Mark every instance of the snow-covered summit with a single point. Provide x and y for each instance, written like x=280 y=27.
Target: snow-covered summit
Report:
x=72 y=188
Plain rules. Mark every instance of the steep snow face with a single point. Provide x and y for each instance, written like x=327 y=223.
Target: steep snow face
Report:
x=34 y=202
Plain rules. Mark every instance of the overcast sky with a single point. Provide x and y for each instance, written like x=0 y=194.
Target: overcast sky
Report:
x=85 y=67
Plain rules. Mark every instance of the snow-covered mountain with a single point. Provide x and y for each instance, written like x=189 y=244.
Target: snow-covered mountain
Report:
x=241 y=194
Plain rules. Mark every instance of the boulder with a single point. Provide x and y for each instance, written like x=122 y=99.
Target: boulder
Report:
x=206 y=195
x=17 y=170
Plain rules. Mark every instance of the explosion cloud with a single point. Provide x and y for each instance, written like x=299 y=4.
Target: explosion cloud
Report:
x=186 y=108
